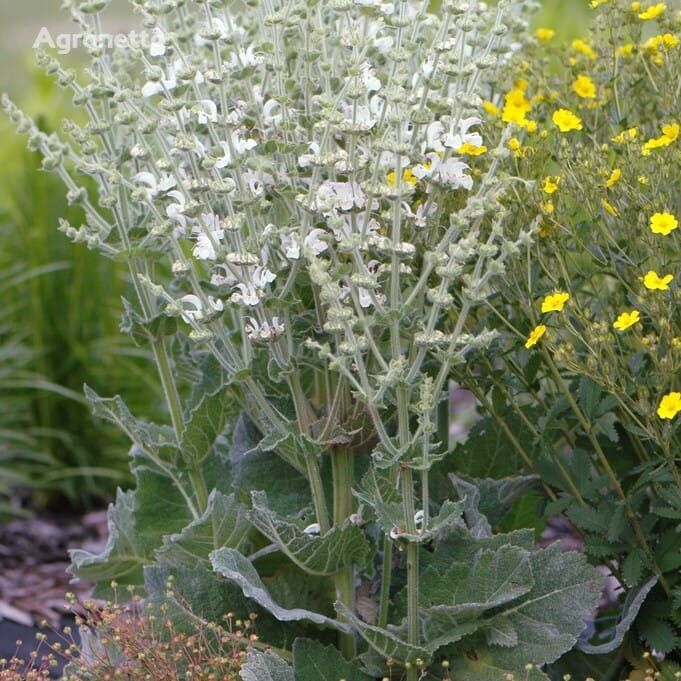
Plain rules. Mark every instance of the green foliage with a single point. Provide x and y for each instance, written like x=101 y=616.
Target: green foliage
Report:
x=60 y=320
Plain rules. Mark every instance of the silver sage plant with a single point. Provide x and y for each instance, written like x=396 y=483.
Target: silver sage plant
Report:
x=303 y=196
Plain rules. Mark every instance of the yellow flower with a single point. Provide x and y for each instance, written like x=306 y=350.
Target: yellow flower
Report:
x=566 y=121
x=667 y=41
x=626 y=136
x=663 y=223
x=627 y=319
x=547 y=207
x=535 y=335
x=584 y=87
x=653 y=11
x=635 y=6
x=625 y=50
x=583 y=48
x=471 y=149
x=609 y=208
x=670 y=406
x=513 y=144
x=551 y=184
x=408 y=177
x=615 y=176
x=652 y=281
x=491 y=109
x=545 y=34
x=555 y=302
x=597 y=3
x=671 y=131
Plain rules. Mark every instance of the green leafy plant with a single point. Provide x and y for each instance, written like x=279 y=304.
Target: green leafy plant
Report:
x=311 y=222
x=590 y=368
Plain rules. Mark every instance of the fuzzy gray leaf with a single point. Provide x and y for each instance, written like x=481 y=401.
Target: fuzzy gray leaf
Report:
x=239 y=570
x=317 y=555
x=265 y=666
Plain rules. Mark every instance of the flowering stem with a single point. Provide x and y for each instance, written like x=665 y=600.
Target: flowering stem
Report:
x=633 y=520
x=342 y=464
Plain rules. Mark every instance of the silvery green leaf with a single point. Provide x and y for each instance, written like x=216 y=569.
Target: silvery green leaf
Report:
x=482 y=663
x=123 y=557
x=317 y=555
x=387 y=642
x=630 y=608
x=448 y=516
x=313 y=661
x=287 y=490
x=239 y=570
x=550 y=618
x=205 y=422
x=492 y=498
x=265 y=666
x=460 y=546
x=501 y=633
x=143 y=434
x=223 y=523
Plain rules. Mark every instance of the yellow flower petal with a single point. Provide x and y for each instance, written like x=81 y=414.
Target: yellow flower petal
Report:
x=663 y=223
x=654 y=282
x=670 y=405
x=566 y=121
x=535 y=335
x=627 y=319
x=555 y=302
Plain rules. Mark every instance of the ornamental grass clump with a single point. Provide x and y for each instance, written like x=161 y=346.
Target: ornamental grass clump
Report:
x=312 y=218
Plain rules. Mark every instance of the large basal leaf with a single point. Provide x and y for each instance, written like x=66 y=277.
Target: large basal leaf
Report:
x=484 y=664
x=224 y=523
x=313 y=661
x=460 y=546
x=265 y=666
x=123 y=556
x=547 y=620
x=288 y=491
x=239 y=570
x=387 y=642
x=488 y=500
x=205 y=422
x=452 y=604
x=317 y=555
x=200 y=595
x=630 y=609
x=141 y=433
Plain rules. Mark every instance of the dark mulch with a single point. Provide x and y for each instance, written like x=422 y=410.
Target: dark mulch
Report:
x=33 y=577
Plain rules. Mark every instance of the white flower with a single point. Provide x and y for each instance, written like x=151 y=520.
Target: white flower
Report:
x=305 y=160
x=368 y=76
x=312 y=529
x=452 y=172
x=339 y=196
x=291 y=245
x=273 y=114
x=454 y=140
x=205 y=244
x=240 y=145
x=241 y=58
x=155 y=185
x=192 y=308
x=265 y=331
x=206 y=110
x=175 y=210
x=157 y=47
x=248 y=295
x=313 y=243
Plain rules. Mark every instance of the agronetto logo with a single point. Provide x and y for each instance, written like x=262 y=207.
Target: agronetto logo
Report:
x=64 y=43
